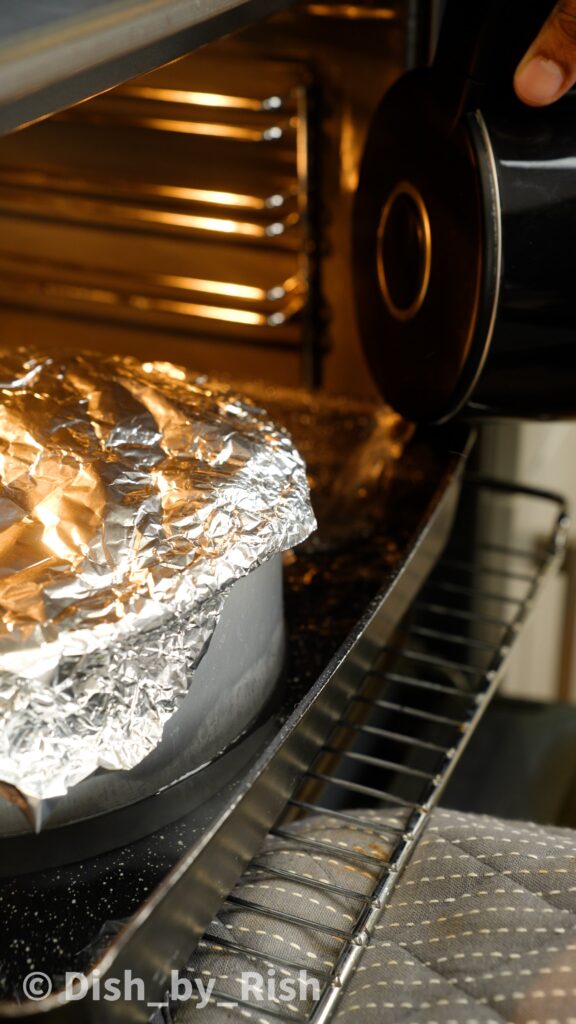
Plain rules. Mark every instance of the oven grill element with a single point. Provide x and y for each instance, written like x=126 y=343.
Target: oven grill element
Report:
x=179 y=204
x=352 y=11
x=408 y=723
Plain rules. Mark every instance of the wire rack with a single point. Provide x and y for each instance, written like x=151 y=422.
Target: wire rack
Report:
x=401 y=736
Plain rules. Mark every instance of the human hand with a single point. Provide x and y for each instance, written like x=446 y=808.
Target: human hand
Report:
x=548 y=69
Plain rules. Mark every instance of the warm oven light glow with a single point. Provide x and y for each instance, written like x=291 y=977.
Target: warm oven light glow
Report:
x=222 y=131
x=210 y=196
x=199 y=223
x=352 y=12
x=233 y=316
x=231 y=291
x=201 y=99
x=23 y=177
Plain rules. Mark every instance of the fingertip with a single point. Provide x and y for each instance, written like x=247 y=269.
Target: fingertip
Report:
x=539 y=81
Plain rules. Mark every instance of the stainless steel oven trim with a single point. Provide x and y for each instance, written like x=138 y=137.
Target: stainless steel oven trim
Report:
x=471 y=674
x=554 y=552
x=74 y=51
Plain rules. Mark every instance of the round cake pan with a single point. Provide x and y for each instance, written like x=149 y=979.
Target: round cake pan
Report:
x=228 y=690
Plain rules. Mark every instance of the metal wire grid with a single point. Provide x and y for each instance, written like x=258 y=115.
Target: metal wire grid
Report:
x=422 y=700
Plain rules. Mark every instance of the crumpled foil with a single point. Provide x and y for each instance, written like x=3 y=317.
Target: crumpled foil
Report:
x=133 y=495
x=350 y=447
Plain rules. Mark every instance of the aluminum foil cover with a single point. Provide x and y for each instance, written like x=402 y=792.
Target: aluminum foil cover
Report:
x=133 y=495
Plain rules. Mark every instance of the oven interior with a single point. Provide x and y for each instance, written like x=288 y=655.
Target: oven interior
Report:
x=201 y=213
x=203 y=210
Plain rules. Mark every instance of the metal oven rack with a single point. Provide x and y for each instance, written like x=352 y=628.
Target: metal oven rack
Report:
x=176 y=210
x=408 y=723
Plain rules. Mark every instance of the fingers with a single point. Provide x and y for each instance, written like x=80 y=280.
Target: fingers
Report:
x=549 y=68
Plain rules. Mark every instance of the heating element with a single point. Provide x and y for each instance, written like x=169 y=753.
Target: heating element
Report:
x=176 y=207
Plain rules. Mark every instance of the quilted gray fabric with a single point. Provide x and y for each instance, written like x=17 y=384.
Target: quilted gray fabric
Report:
x=481 y=929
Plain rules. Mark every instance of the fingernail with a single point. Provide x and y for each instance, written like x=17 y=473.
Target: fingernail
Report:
x=539 y=81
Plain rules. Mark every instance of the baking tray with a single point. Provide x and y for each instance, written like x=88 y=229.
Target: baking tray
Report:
x=143 y=908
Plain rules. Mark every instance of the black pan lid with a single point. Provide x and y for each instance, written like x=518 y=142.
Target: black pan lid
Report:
x=426 y=250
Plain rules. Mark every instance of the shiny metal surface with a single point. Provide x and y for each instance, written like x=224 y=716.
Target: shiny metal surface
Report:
x=202 y=230
x=404 y=222
x=409 y=722
x=235 y=680
x=58 y=53
x=419 y=360
x=163 y=932
x=134 y=495
x=343 y=64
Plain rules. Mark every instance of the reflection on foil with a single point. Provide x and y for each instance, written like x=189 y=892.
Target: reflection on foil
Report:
x=132 y=496
x=350 y=448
